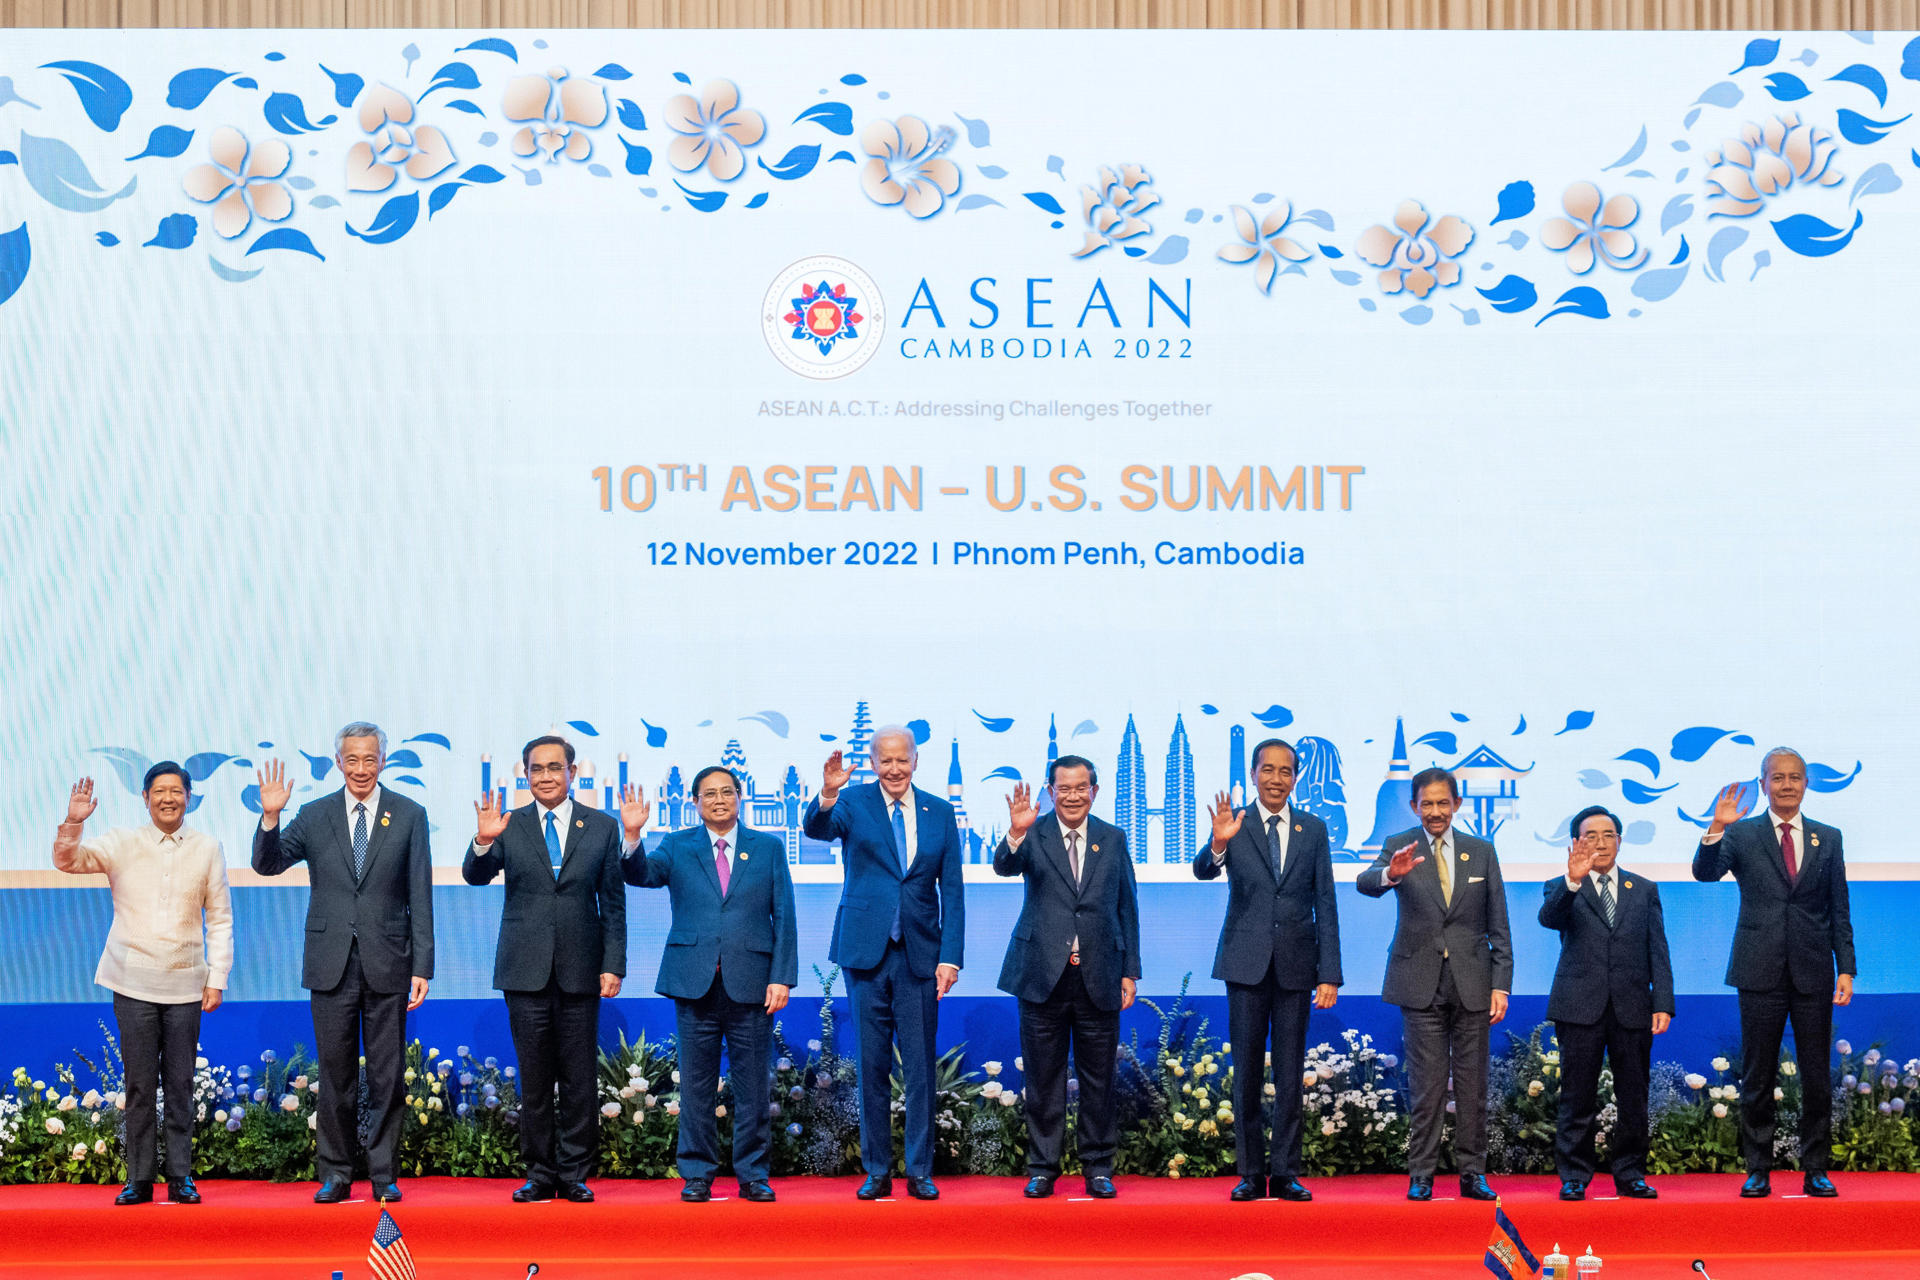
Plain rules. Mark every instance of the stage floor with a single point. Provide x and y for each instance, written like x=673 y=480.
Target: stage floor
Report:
x=1158 y=1229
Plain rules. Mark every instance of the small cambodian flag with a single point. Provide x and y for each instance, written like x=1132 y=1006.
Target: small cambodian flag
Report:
x=1507 y=1254
x=390 y=1258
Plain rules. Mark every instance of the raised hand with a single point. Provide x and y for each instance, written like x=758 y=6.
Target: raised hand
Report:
x=1021 y=812
x=80 y=802
x=1726 y=808
x=275 y=790
x=634 y=811
x=834 y=776
x=1404 y=861
x=490 y=818
x=1226 y=819
x=1579 y=860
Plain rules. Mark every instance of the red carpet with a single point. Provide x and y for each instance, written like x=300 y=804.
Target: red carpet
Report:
x=980 y=1228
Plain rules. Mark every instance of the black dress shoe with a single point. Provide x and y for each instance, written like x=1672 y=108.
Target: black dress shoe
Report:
x=1636 y=1189
x=386 y=1192
x=697 y=1190
x=1757 y=1184
x=876 y=1187
x=922 y=1189
x=1289 y=1189
x=1100 y=1186
x=1248 y=1189
x=1819 y=1184
x=530 y=1191
x=1039 y=1186
x=333 y=1191
x=1419 y=1188
x=135 y=1193
x=182 y=1191
x=1474 y=1187
x=577 y=1192
x=758 y=1192
x=1571 y=1190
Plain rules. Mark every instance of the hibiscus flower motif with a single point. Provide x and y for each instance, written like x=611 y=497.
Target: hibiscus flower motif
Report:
x=1262 y=242
x=1416 y=258
x=907 y=167
x=385 y=113
x=552 y=104
x=1594 y=232
x=241 y=183
x=713 y=130
x=1764 y=161
x=1113 y=208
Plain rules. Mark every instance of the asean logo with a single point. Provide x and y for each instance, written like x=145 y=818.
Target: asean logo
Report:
x=823 y=317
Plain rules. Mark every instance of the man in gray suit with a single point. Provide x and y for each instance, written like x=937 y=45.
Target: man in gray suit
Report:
x=563 y=948
x=1450 y=969
x=369 y=953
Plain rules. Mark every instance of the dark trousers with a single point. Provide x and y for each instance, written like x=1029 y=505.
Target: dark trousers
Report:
x=557 y=1039
x=1068 y=1021
x=747 y=1030
x=350 y=1021
x=1259 y=1014
x=1763 y=1018
x=890 y=1003
x=158 y=1043
x=1446 y=1038
x=1630 y=1050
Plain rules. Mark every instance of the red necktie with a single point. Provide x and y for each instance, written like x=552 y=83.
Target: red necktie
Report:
x=1786 y=851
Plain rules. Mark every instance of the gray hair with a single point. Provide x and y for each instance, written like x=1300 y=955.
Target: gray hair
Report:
x=1766 y=761
x=897 y=731
x=361 y=729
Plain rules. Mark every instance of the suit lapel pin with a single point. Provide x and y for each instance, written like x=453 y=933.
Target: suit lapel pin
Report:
x=1816 y=842
x=1298 y=827
x=743 y=857
x=1626 y=884
x=579 y=822
x=1465 y=857
x=1093 y=848
x=385 y=818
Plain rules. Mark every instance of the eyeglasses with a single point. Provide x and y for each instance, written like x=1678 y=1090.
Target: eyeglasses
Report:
x=1073 y=792
x=728 y=794
x=556 y=768
x=1602 y=837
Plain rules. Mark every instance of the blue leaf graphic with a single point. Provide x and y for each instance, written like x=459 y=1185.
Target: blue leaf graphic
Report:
x=1690 y=744
x=797 y=163
x=1786 y=87
x=200 y=767
x=1274 y=717
x=995 y=171
x=437 y=739
x=1459 y=717
x=1724 y=242
x=1642 y=756
x=482 y=173
x=1208 y=708
x=1822 y=777
x=463 y=104
x=129 y=765
x=1744 y=740
x=585 y=727
x=757 y=201
x=631 y=116
x=395 y=219
x=176 y=231
x=1680 y=254
x=16 y=256
x=1345 y=277
x=978 y=134
x=1759 y=53
x=285 y=238
x=1658 y=286
x=56 y=171
x=7 y=157
x=1419 y=313
x=994 y=724
x=613 y=71
x=853 y=79
x=1641 y=793
x=300 y=182
x=1519 y=728
x=772 y=719
x=245 y=82
x=1516 y=201
x=1879 y=180
x=841 y=155
x=639 y=158
x=410 y=780
x=1862 y=132
x=1910 y=60
x=682 y=77
x=921 y=731
x=318 y=766
x=1511 y=294
x=1047 y=202
x=106 y=238
x=190 y=88
x=1057 y=166
x=1085 y=726
x=1006 y=771
x=977 y=202
x=232 y=275
x=1576 y=721
x=412 y=54
x=404 y=758
x=1328 y=251
x=250 y=797
x=1638 y=832
x=442 y=196
x=1867 y=78
x=165 y=141
x=834 y=117
x=656 y=736
x=491 y=44
x=1633 y=152
x=704 y=201
x=1582 y=300
x=1442 y=741
x=323 y=202
x=1173 y=249
x=1724 y=94
x=829 y=737
x=346 y=86
x=1809 y=237
x=1367 y=304
x=1678 y=210
x=288 y=115
x=455 y=75
x=1593 y=779
x=1265 y=197
x=103 y=95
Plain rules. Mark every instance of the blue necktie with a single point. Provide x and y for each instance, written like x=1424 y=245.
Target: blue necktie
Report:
x=359 y=841
x=900 y=848
x=553 y=845
x=1273 y=845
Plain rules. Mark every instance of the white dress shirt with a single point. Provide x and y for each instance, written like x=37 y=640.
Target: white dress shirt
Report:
x=731 y=836
x=167 y=889
x=373 y=813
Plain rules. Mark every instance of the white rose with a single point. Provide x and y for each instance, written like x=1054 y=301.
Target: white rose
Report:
x=1841 y=1046
x=1721 y=1064
x=1873 y=1056
x=639 y=1117
x=79 y=1151
x=68 y=1103
x=673 y=1108
x=676 y=1075
x=633 y=1071
x=1268 y=1090
x=289 y=1104
x=1326 y=1128
x=313 y=1121
x=991 y=1068
x=1719 y=1111
x=992 y=1089
x=56 y=1125
x=92 y=1100
x=1020 y=1064
x=1008 y=1099
x=220 y=1116
x=100 y=1147
x=1779 y=1093
x=200 y=1064
x=610 y=1110
x=1695 y=1080
x=1535 y=1088
x=1789 y=1069
x=299 y=1082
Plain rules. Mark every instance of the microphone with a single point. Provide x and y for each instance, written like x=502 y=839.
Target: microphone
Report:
x=533 y=1269
x=1701 y=1266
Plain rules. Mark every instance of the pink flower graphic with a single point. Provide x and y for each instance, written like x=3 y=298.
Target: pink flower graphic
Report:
x=241 y=183
x=1592 y=232
x=1764 y=161
x=907 y=167
x=1262 y=242
x=385 y=113
x=713 y=130
x=554 y=104
x=1417 y=258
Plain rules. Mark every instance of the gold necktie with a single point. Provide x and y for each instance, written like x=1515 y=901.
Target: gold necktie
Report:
x=1446 y=871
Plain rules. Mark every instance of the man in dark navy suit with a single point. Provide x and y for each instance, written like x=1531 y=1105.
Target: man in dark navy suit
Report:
x=563 y=948
x=729 y=964
x=899 y=935
x=1612 y=994
x=1279 y=954
x=1792 y=957
x=1073 y=963
x=369 y=951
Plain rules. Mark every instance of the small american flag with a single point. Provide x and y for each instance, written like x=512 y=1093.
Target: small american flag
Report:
x=388 y=1255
